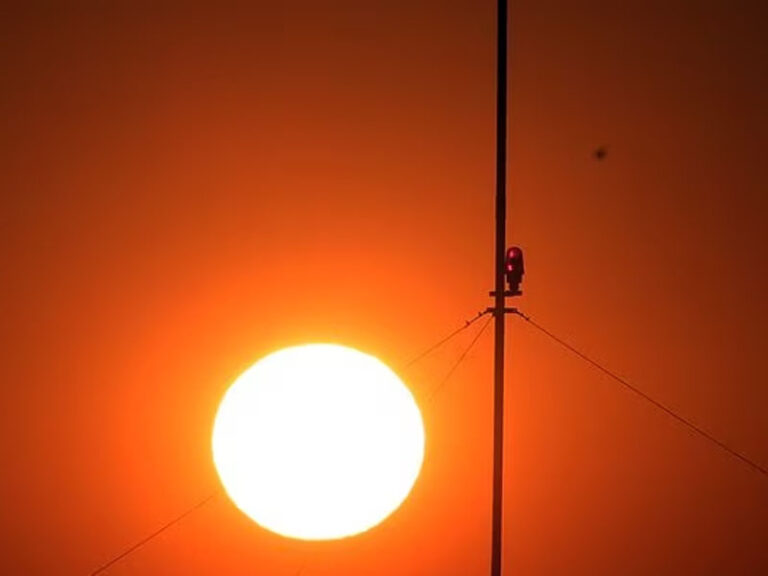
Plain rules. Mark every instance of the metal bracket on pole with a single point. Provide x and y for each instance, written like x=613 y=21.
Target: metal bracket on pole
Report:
x=491 y=310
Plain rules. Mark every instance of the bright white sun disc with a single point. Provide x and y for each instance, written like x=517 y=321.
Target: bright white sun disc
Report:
x=318 y=442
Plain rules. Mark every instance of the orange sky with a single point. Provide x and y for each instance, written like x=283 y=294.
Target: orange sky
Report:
x=187 y=189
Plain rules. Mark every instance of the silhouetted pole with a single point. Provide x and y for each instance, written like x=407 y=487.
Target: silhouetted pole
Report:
x=498 y=311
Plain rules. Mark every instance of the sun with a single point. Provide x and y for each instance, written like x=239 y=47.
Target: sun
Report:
x=318 y=442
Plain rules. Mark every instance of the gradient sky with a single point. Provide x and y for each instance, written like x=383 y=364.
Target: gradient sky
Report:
x=186 y=188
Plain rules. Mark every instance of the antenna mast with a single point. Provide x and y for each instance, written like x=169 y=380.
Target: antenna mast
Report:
x=499 y=293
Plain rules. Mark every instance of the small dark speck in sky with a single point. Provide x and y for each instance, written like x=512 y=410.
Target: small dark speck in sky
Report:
x=600 y=153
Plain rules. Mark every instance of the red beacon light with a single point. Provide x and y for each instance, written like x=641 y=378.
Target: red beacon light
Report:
x=514 y=269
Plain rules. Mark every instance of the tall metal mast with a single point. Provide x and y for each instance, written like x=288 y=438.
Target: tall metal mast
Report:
x=499 y=295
